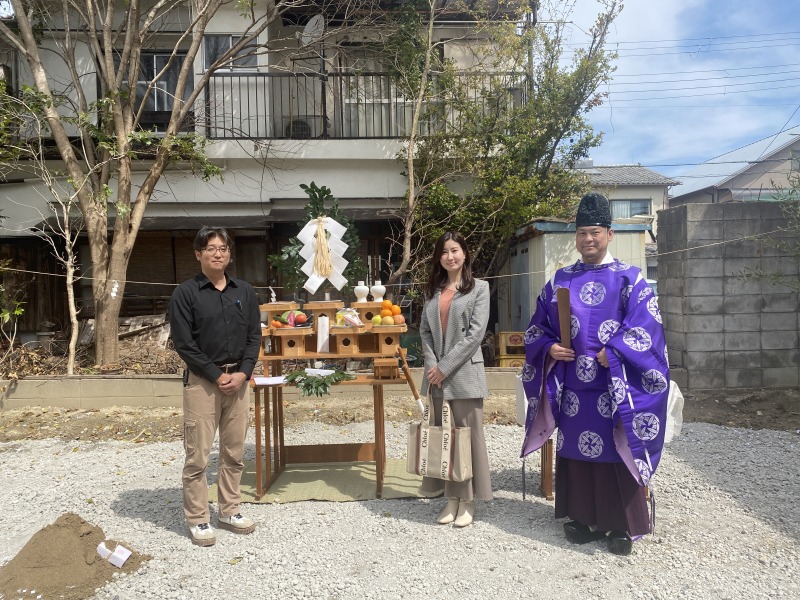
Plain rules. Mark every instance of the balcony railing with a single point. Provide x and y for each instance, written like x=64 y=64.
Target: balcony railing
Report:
x=339 y=105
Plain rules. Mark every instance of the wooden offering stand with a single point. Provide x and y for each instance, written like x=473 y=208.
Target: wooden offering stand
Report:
x=381 y=343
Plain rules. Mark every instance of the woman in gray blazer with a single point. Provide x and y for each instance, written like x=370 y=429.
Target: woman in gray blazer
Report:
x=454 y=320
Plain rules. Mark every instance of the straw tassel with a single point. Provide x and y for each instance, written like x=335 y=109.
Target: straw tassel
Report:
x=322 y=257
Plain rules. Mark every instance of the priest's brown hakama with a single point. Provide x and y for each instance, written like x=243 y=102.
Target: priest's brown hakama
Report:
x=604 y=495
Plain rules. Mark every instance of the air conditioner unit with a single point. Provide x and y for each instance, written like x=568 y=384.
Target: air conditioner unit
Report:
x=302 y=127
x=298 y=129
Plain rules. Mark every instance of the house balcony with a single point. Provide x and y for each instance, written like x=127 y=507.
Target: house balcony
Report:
x=343 y=106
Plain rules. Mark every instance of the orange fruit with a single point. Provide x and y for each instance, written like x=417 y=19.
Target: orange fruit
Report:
x=386 y=312
x=386 y=304
x=395 y=309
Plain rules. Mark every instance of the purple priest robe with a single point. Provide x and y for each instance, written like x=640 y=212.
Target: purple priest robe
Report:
x=615 y=414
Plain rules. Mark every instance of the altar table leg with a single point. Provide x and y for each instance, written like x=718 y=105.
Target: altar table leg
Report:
x=259 y=458
x=280 y=452
x=267 y=440
x=380 y=439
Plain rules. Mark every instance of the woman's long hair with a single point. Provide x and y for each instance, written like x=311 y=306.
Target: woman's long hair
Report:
x=438 y=276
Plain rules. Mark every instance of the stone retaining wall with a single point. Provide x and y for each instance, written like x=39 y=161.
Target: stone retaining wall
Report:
x=167 y=390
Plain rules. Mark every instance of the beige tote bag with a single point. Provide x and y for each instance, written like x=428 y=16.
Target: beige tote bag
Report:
x=440 y=452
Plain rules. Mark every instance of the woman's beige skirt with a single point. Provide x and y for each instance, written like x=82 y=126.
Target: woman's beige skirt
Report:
x=466 y=413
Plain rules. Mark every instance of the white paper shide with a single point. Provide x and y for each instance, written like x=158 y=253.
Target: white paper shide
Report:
x=330 y=246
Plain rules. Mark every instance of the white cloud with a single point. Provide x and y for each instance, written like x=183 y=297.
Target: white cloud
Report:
x=713 y=39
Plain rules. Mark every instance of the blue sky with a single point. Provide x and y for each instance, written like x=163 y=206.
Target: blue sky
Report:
x=694 y=78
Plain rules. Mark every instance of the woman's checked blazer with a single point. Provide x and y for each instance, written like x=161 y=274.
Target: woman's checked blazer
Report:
x=459 y=354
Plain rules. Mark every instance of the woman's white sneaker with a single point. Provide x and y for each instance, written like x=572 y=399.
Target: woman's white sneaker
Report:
x=237 y=524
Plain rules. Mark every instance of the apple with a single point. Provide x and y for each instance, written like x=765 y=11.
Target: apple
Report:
x=377 y=320
x=387 y=321
x=399 y=320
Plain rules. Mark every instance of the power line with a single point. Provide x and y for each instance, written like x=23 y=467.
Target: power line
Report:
x=695 y=51
x=630 y=260
x=725 y=93
x=651 y=106
x=685 y=80
x=706 y=87
x=717 y=70
x=716 y=37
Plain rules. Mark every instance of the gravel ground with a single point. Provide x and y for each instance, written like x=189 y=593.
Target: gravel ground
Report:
x=728 y=526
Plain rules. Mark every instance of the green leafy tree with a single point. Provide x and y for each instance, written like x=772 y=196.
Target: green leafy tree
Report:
x=288 y=262
x=509 y=134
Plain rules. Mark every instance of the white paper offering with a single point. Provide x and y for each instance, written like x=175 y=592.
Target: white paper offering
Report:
x=338 y=280
x=323 y=333
x=336 y=250
x=269 y=380
x=320 y=372
x=313 y=283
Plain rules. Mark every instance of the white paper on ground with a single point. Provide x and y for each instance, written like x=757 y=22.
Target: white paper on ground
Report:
x=103 y=551
x=269 y=380
x=119 y=556
x=323 y=334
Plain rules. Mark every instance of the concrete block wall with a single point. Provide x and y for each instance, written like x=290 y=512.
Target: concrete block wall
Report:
x=723 y=331
x=167 y=390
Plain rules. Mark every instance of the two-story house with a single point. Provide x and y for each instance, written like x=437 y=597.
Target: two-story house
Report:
x=311 y=102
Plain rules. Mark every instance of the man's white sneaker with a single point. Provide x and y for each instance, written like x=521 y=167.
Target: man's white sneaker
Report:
x=237 y=524
x=203 y=535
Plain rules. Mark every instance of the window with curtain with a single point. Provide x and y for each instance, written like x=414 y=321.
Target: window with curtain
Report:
x=624 y=209
x=216 y=45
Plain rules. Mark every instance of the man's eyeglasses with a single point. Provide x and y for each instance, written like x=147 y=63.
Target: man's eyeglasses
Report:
x=215 y=249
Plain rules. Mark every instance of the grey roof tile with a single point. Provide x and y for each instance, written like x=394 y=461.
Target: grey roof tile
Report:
x=626 y=175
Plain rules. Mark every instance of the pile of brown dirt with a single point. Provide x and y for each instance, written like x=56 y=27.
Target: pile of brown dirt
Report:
x=61 y=561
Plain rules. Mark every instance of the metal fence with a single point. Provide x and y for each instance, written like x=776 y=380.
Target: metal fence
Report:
x=345 y=105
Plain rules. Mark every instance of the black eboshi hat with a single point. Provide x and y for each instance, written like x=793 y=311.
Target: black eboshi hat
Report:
x=593 y=210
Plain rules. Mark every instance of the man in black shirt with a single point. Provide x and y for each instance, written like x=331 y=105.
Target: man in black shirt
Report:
x=216 y=328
